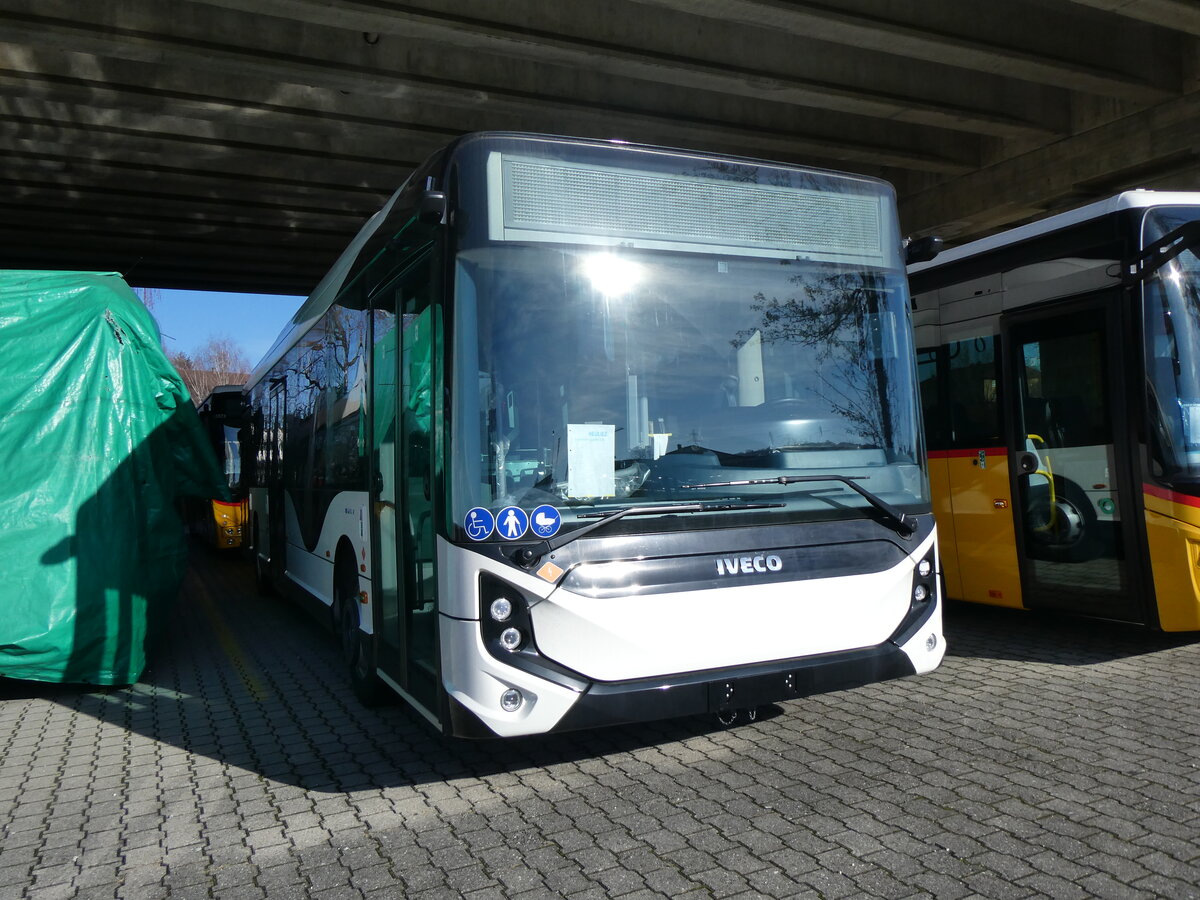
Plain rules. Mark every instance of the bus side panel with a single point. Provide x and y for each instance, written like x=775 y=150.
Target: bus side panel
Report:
x=1173 y=535
x=344 y=520
x=984 y=533
x=943 y=512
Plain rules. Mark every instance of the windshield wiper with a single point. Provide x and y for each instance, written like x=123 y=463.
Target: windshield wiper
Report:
x=904 y=525
x=527 y=556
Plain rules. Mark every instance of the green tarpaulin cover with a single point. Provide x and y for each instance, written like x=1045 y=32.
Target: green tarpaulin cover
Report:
x=98 y=437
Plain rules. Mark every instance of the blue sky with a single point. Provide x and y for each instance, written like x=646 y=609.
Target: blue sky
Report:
x=188 y=319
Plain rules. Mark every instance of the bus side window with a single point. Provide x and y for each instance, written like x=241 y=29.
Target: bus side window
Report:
x=930 y=369
x=974 y=411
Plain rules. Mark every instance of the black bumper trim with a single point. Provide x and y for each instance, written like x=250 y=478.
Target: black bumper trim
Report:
x=744 y=687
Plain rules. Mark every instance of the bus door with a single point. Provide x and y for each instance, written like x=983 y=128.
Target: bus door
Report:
x=403 y=491
x=1070 y=460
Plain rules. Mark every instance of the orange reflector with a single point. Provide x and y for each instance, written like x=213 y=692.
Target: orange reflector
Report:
x=996 y=595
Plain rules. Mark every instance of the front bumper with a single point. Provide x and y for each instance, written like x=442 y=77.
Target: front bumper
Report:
x=722 y=691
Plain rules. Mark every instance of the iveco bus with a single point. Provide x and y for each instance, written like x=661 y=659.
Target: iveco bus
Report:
x=580 y=432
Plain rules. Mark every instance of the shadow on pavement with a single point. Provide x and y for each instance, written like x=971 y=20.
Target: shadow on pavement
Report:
x=255 y=683
x=988 y=632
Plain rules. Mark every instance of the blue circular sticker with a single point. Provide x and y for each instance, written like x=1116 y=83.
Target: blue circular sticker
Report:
x=479 y=524
x=511 y=523
x=545 y=521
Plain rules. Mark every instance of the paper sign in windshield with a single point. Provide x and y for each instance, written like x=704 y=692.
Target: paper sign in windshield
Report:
x=591 y=457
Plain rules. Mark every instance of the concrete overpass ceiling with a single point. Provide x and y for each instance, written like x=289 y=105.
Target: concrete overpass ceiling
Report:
x=238 y=144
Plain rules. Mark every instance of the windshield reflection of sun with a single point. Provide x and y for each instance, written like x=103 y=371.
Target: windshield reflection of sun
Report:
x=612 y=275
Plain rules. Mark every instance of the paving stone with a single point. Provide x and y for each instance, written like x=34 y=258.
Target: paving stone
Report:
x=1045 y=758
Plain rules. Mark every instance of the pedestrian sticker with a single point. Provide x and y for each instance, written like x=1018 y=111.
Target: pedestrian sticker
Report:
x=479 y=524
x=512 y=523
x=545 y=521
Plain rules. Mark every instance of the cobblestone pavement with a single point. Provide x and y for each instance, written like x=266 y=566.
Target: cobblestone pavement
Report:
x=1046 y=757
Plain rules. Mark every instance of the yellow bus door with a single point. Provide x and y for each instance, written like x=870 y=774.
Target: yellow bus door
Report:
x=1075 y=508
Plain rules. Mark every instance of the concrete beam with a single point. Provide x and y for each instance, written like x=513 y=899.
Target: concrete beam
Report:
x=1179 y=15
x=528 y=43
x=23 y=72
x=924 y=42
x=1121 y=155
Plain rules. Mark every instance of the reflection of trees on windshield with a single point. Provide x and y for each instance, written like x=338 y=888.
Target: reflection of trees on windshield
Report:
x=839 y=316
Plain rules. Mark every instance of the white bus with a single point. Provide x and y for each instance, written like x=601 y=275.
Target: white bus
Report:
x=578 y=433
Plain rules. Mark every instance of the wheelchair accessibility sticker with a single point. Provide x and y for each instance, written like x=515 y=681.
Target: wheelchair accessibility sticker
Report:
x=479 y=524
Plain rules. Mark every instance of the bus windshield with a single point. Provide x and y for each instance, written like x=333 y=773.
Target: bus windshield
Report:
x=1172 y=311
x=588 y=378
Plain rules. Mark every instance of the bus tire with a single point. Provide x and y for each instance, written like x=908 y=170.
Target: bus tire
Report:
x=358 y=648
x=1076 y=539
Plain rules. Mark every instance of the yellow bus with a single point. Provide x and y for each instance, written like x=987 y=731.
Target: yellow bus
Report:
x=219 y=523
x=1059 y=366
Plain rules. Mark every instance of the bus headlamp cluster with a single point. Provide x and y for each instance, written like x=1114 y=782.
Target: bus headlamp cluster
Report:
x=504 y=618
x=924 y=576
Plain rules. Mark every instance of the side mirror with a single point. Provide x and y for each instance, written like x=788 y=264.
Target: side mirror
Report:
x=922 y=249
x=432 y=208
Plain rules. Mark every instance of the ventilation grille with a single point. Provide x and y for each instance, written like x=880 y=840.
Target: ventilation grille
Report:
x=560 y=202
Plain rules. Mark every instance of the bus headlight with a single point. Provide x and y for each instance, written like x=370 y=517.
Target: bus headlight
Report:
x=510 y=639
x=501 y=609
x=925 y=568
x=511 y=700
x=920 y=593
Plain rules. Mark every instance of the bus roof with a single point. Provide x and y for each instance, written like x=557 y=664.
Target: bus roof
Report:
x=1128 y=200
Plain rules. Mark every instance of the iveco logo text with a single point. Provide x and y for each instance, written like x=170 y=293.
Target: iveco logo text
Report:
x=747 y=565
